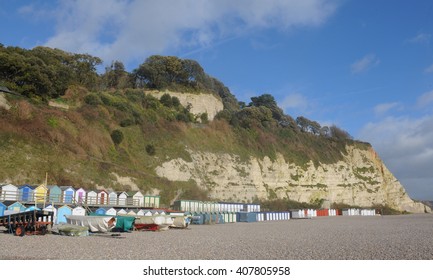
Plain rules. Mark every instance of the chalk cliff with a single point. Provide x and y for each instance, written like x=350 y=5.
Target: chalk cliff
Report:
x=360 y=179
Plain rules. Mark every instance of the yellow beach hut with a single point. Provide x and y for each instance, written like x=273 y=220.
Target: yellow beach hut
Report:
x=40 y=193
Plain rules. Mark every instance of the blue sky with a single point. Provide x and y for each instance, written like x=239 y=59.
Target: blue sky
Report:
x=366 y=66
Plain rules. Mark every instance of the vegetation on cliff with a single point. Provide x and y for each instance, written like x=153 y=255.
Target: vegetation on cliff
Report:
x=113 y=126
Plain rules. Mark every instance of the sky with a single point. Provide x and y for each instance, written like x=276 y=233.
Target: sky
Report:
x=365 y=66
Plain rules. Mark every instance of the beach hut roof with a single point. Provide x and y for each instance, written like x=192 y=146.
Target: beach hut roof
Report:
x=17 y=203
x=131 y=193
x=63 y=188
x=7 y=185
x=27 y=186
x=42 y=186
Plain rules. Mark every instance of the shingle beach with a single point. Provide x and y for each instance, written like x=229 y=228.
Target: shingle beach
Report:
x=403 y=237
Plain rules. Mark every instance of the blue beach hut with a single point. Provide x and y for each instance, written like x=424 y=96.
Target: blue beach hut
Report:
x=62 y=212
x=68 y=193
x=101 y=211
x=16 y=207
x=2 y=209
x=26 y=193
x=55 y=193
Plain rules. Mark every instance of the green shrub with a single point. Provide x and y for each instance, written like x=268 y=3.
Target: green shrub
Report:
x=126 y=122
x=150 y=149
x=92 y=99
x=117 y=136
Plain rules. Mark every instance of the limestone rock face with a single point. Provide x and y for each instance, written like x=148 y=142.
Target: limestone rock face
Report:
x=200 y=103
x=360 y=179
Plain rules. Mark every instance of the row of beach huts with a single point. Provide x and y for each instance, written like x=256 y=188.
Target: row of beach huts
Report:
x=203 y=216
x=66 y=201
x=53 y=194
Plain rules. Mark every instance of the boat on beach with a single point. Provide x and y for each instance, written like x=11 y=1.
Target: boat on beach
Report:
x=153 y=223
x=94 y=223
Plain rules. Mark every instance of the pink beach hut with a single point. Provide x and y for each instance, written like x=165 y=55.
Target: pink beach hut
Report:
x=80 y=195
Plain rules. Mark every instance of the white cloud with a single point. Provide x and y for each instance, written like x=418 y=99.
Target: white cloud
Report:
x=425 y=99
x=420 y=38
x=406 y=146
x=429 y=69
x=386 y=107
x=367 y=62
x=294 y=101
x=120 y=29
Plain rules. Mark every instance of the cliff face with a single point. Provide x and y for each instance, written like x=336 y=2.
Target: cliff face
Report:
x=360 y=179
x=200 y=103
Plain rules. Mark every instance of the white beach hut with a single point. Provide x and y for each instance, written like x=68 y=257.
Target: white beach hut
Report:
x=79 y=211
x=9 y=192
x=92 y=198
x=112 y=198
x=122 y=198
x=102 y=197
x=111 y=212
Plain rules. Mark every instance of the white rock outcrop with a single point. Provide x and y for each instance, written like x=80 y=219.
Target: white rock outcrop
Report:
x=200 y=103
x=360 y=179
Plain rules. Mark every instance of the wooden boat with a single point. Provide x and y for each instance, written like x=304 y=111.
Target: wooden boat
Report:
x=94 y=223
x=153 y=223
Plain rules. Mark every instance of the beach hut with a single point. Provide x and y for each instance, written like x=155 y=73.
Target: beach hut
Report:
x=26 y=193
x=102 y=197
x=80 y=195
x=101 y=211
x=112 y=198
x=62 y=212
x=297 y=214
x=79 y=211
x=51 y=208
x=111 y=212
x=137 y=198
x=92 y=197
x=122 y=198
x=16 y=207
x=68 y=194
x=197 y=218
x=148 y=213
x=122 y=212
x=40 y=193
x=151 y=201
x=9 y=192
x=2 y=209
x=131 y=213
x=247 y=217
x=141 y=212
x=54 y=193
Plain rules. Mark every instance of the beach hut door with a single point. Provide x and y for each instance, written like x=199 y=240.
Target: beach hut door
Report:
x=68 y=196
x=25 y=194
x=80 y=197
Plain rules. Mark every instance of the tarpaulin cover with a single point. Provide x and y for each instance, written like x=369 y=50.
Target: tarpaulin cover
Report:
x=70 y=230
x=94 y=223
x=123 y=223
